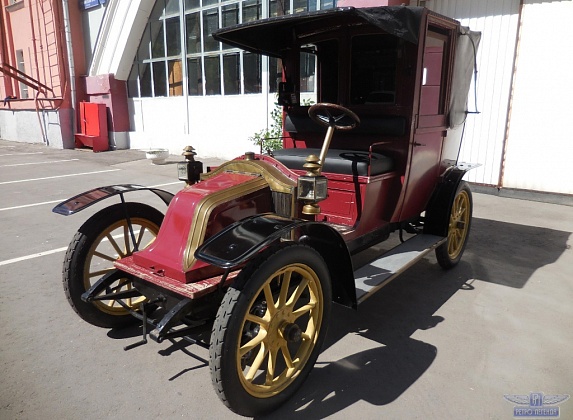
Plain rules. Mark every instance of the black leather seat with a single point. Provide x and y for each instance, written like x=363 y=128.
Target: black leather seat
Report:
x=339 y=161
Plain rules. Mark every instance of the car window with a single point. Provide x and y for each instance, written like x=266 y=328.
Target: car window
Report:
x=373 y=69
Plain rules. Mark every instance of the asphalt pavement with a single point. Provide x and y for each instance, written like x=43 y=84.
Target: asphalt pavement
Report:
x=433 y=344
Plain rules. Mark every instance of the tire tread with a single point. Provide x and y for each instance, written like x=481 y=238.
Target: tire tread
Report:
x=76 y=254
x=220 y=329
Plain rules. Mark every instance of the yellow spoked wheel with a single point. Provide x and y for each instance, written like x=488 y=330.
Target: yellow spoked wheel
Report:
x=280 y=330
x=450 y=253
x=101 y=240
x=269 y=330
x=112 y=244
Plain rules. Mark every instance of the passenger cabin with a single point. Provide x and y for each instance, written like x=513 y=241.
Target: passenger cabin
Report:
x=393 y=67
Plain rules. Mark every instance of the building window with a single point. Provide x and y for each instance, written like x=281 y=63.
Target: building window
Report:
x=252 y=10
x=14 y=5
x=230 y=16
x=173 y=36
x=232 y=73
x=193 y=26
x=304 y=6
x=177 y=49
x=171 y=6
x=279 y=7
x=307 y=71
x=145 y=80
x=212 y=75
x=175 y=71
x=252 y=69
x=210 y=25
x=22 y=68
x=195 y=77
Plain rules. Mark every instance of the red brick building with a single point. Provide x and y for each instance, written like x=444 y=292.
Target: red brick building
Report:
x=41 y=60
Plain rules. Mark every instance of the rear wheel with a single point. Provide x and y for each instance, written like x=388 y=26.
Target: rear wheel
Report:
x=450 y=252
x=269 y=329
x=101 y=240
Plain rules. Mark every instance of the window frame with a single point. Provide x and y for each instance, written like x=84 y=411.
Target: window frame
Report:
x=144 y=67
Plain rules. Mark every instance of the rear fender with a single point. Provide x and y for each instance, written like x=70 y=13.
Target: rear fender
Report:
x=89 y=198
x=438 y=211
x=241 y=241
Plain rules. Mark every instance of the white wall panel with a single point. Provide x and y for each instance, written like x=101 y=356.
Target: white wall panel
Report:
x=91 y=21
x=540 y=144
x=485 y=133
x=221 y=125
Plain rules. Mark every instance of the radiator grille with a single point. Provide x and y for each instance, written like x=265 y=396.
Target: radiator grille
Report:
x=283 y=204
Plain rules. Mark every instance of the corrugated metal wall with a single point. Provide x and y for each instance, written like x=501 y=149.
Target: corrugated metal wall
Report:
x=539 y=150
x=485 y=133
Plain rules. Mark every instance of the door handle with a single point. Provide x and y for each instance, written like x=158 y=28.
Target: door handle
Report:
x=416 y=144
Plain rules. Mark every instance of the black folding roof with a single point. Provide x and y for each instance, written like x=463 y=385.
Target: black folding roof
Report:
x=273 y=35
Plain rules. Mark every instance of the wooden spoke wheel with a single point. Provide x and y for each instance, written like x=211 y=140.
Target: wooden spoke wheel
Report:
x=102 y=239
x=270 y=328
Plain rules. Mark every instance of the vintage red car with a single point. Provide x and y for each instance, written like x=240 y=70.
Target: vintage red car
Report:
x=259 y=247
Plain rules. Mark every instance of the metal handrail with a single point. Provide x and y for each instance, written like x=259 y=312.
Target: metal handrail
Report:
x=24 y=78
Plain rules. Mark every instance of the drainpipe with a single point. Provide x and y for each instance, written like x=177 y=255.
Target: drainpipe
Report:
x=44 y=136
x=70 y=51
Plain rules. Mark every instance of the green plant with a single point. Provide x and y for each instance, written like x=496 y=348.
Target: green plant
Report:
x=269 y=139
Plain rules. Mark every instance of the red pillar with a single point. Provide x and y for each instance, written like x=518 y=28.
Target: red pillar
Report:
x=105 y=89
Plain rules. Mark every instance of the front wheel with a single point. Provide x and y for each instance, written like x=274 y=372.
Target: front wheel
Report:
x=270 y=328
x=102 y=239
x=450 y=252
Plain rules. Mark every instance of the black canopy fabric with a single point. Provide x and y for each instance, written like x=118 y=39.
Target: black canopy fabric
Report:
x=274 y=35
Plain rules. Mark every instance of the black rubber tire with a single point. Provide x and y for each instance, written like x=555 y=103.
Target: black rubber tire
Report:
x=446 y=257
x=81 y=252
x=231 y=326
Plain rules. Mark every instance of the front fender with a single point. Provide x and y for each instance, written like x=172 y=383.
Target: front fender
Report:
x=240 y=241
x=88 y=198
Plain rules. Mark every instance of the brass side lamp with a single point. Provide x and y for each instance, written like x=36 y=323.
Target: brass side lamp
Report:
x=312 y=187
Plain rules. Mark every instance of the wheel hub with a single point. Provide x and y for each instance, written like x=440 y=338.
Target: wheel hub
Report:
x=279 y=327
x=291 y=333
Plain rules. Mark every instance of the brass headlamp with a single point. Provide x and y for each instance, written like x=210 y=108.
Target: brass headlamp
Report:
x=189 y=170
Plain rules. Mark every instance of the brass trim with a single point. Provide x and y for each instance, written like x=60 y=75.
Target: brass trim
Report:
x=277 y=180
x=203 y=211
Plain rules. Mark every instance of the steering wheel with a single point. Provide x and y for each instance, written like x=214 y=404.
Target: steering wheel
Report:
x=335 y=116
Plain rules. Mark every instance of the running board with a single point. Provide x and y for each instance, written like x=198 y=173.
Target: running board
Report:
x=378 y=273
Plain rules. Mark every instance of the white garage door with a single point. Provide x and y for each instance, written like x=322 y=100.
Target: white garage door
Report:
x=540 y=142
x=485 y=133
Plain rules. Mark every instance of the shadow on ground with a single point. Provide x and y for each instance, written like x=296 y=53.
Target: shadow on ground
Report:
x=508 y=254
x=501 y=253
